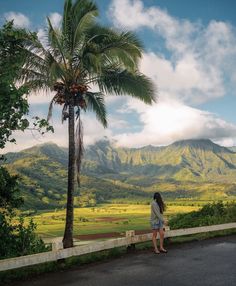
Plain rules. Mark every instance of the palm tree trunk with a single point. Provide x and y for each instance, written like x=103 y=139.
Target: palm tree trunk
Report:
x=68 y=235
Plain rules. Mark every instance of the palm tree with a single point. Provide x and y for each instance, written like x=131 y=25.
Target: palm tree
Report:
x=77 y=55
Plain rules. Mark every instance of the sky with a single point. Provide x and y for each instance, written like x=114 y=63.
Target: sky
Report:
x=190 y=54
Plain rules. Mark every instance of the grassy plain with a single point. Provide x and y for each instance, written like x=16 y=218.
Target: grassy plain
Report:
x=104 y=218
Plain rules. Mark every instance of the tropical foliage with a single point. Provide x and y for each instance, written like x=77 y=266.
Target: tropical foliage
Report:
x=74 y=57
x=13 y=98
x=13 y=103
x=209 y=214
x=15 y=238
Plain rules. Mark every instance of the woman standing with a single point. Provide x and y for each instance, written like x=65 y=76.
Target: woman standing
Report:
x=157 y=222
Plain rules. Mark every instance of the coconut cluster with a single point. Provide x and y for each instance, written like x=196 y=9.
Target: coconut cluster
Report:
x=78 y=90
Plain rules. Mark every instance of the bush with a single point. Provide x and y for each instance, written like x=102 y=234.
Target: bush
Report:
x=15 y=238
x=209 y=214
x=18 y=239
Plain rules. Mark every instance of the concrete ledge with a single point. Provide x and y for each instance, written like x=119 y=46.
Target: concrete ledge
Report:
x=131 y=238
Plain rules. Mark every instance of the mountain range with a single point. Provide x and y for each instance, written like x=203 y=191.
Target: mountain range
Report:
x=188 y=169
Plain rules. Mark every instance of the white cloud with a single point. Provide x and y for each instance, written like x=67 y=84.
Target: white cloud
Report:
x=42 y=36
x=93 y=131
x=20 y=20
x=163 y=123
x=55 y=19
x=186 y=80
x=168 y=121
x=40 y=97
x=198 y=65
x=116 y=123
x=201 y=57
x=132 y=14
x=227 y=142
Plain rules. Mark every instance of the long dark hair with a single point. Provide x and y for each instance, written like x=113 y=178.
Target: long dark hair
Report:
x=157 y=197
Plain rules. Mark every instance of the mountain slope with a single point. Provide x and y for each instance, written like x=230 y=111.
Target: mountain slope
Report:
x=43 y=175
x=188 y=160
x=184 y=169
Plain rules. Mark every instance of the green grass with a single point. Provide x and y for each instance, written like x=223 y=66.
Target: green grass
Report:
x=102 y=219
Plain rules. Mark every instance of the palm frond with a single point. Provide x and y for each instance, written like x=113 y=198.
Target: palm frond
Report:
x=95 y=102
x=56 y=42
x=112 y=46
x=40 y=67
x=37 y=85
x=78 y=16
x=84 y=14
x=123 y=82
x=50 y=108
x=66 y=22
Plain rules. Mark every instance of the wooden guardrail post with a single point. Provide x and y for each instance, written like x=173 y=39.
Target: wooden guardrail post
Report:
x=129 y=235
x=57 y=244
x=167 y=239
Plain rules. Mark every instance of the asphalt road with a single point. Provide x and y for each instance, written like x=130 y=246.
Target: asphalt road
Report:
x=208 y=262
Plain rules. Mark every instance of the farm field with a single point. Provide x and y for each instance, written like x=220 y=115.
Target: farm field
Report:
x=106 y=218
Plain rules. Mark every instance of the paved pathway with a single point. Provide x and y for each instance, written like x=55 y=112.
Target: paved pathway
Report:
x=210 y=262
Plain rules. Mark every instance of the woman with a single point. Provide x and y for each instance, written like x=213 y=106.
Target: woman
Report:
x=157 y=222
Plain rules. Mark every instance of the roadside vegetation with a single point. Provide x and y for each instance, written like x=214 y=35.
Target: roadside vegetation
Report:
x=209 y=214
x=16 y=237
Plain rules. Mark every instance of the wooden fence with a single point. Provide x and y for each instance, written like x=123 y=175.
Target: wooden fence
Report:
x=129 y=239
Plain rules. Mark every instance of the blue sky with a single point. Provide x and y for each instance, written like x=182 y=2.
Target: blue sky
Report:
x=190 y=54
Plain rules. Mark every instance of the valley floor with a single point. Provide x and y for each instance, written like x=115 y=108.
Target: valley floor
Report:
x=113 y=219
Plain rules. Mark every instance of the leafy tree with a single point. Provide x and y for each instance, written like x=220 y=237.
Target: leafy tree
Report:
x=79 y=54
x=13 y=103
x=15 y=238
x=9 y=191
x=13 y=99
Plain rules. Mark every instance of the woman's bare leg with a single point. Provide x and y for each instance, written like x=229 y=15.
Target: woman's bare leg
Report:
x=161 y=233
x=154 y=240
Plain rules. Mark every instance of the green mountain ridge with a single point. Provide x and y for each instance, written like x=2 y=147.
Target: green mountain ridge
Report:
x=184 y=169
x=187 y=160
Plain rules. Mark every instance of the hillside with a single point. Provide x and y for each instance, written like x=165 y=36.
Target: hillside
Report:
x=188 y=160
x=184 y=169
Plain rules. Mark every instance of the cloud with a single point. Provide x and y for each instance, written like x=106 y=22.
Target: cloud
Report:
x=42 y=32
x=161 y=124
x=20 y=20
x=186 y=79
x=169 y=121
x=93 y=131
x=200 y=58
x=55 y=19
x=41 y=97
x=132 y=14
x=42 y=36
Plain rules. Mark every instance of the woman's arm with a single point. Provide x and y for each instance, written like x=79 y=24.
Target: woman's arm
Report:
x=157 y=212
